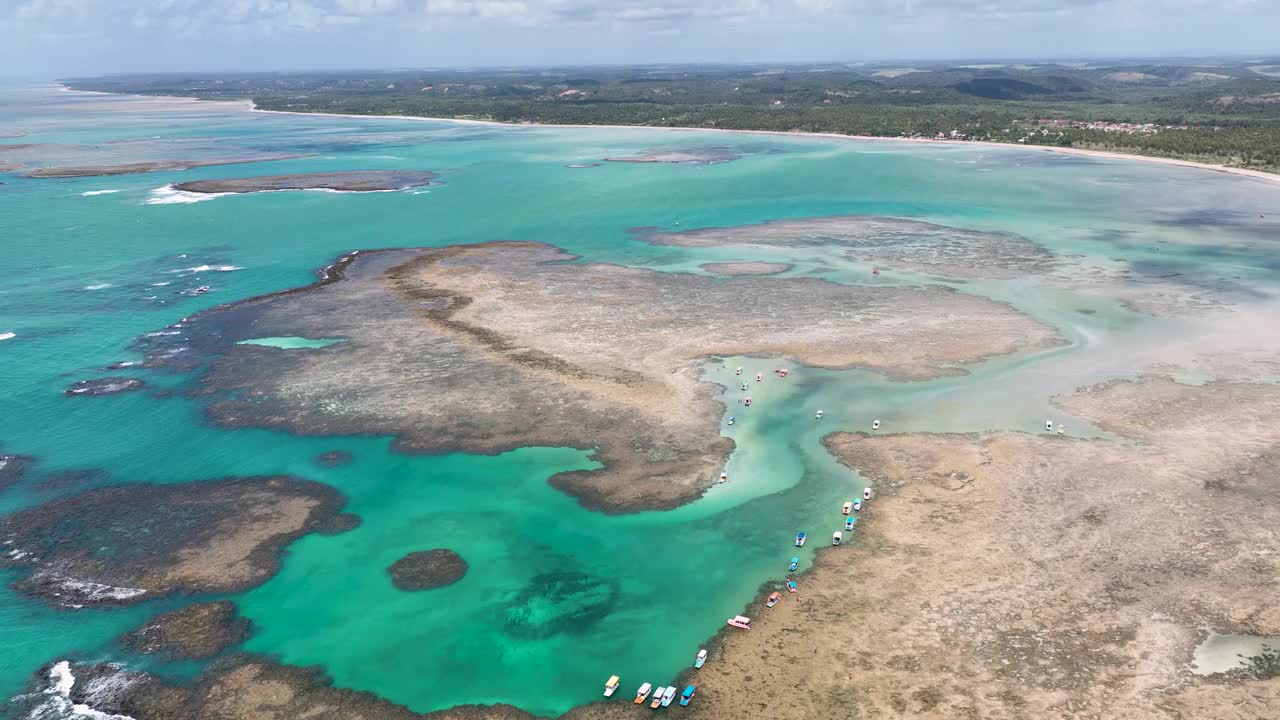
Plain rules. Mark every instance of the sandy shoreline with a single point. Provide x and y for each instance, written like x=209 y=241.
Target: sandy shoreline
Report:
x=1105 y=154
x=1257 y=174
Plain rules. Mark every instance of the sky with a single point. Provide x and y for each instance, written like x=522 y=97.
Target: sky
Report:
x=52 y=38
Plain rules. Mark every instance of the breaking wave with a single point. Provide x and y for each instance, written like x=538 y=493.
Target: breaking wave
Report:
x=207 y=268
x=91 y=193
x=55 y=703
x=169 y=195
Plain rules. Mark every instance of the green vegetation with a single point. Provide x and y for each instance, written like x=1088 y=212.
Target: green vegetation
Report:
x=1223 y=112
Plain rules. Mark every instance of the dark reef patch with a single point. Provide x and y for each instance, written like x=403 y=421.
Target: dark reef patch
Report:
x=103 y=386
x=126 y=544
x=333 y=458
x=687 y=156
x=12 y=468
x=563 y=602
x=194 y=632
x=353 y=181
x=427 y=569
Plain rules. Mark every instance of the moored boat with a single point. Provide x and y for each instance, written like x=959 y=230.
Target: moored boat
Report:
x=643 y=693
x=848 y=523
x=857 y=506
x=875 y=425
x=747 y=401
x=657 y=697
x=724 y=477
x=738 y=371
x=701 y=659
x=733 y=419
x=795 y=563
x=848 y=505
x=866 y=493
x=817 y=415
x=759 y=377
x=739 y=621
x=800 y=537
x=773 y=599
x=835 y=538
x=611 y=687
x=688 y=694
x=792 y=586
x=668 y=695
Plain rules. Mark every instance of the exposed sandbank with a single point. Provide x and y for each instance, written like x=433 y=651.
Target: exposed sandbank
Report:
x=488 y=348
x=1010 y=575
x=894 y=242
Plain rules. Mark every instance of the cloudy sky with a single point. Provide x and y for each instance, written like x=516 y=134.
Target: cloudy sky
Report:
x=46 y=38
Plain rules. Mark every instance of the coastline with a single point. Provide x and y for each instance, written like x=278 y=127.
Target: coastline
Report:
x=1105 y=154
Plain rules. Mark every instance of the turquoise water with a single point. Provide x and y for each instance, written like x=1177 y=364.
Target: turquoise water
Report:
x=556 y=598
x=292 y=343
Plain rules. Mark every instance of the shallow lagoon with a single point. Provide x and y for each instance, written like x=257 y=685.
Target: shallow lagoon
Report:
x=557 y=597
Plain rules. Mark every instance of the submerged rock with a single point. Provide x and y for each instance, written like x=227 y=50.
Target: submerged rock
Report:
x=553 y=603
x=427 y=569
x=125 y=544
x=12 y=467
x=333 y=458
x=350 y=181
x=192 y=633
x=103 y=386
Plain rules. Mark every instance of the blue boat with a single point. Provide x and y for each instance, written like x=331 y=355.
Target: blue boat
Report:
x=687 y=695
x=848 y=523
x=795 y=563
x=800 y=539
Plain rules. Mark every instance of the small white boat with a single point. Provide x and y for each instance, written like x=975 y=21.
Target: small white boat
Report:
x=657 y=697
x=857 y=506
x=1048 y=426
x=611 y=687
x=738 y=371
x=739 y=621
x=1061 y=428
x=701 y=659
x=835 y=538
x=747 y=401
x=818 y=415
x=866 y=493
x=668 y=695
x=643 y=693
x=759 y=377
x=733 y=419
x=876 y=425
x=724 y=477
x=848 y=505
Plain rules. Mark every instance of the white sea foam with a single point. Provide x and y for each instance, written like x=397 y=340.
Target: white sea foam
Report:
x=206 y=268
x=99 y=286
x=56 y=703
x=169 y=195
x=7 y=335
x=86 y=590
x=91 y=193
